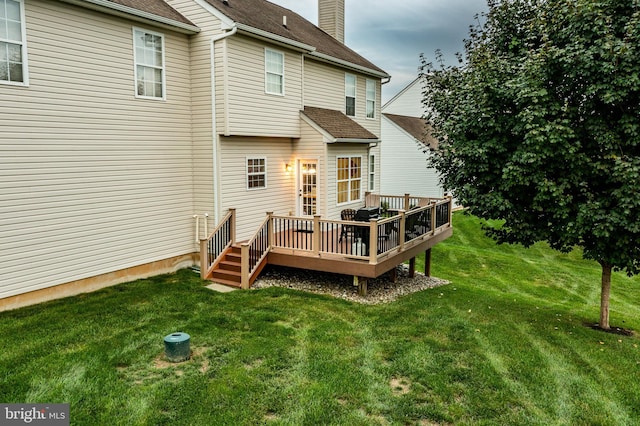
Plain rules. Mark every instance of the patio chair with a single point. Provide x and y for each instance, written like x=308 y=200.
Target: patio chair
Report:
x=347 y=214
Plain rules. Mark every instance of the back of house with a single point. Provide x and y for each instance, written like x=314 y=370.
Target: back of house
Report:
x=128 y=129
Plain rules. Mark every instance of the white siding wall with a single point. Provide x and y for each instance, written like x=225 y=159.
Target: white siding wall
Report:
x=202 y=123
x=252 y=204
x=92 y=180
x=324 y=87
x=408 y=102
x=404 y=165
x=251 y=111
x=311 y=146
x=344 y=149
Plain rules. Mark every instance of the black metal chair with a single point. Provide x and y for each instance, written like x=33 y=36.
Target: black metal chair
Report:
x=347 y=214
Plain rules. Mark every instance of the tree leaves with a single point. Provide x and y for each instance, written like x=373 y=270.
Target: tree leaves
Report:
x=539 y=126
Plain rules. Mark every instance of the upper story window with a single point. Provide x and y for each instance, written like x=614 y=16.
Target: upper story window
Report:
x=256 y=173
x=371 y=98
x=13 y=49
x=350 y=94
x=149 y=61
x=349 y=179
x=274 y=72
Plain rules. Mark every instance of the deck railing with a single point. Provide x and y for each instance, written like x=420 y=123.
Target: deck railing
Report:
x=317 y=236
x=399 y=230
x=253 y=252
x=212 y=247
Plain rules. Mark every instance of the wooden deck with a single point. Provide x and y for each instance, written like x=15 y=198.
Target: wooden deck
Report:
x=362 y=249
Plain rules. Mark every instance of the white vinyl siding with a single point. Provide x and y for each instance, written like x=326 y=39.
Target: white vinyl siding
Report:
x=256 y=173
x=92 y=182
x=251 y=206
x=13 y=43
x=274 y=72
x=350 y=94
x=403 y=165
x=243 y=107
x=149 y=64
x=371 y=98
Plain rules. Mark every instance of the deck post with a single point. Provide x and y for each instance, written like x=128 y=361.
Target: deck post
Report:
x=412 y=267
x=361 y=283
x=373 y=241
x=427 y=262
x=406 y=202
x=232 y=225
x=393 y=275
x=450 y=209
x=401 y=231
x=315 y=244
x=244 y=266
x=433 y=218
x=270 y=231
x=203 y=258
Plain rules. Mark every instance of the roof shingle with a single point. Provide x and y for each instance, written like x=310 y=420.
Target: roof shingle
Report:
x=154 y=7
x=338 y=125
x=416 y=127
x=267 y=16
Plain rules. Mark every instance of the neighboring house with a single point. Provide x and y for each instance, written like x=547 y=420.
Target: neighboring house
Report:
x=122 y=120
x=405 y=150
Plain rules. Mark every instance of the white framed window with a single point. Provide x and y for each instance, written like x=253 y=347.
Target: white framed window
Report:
x=371 y=98
x=13 y=43
x=148 y=54
x=349 y=179
x=372 y=172
x=350 y=94
x=256 y=173
x=273 y=72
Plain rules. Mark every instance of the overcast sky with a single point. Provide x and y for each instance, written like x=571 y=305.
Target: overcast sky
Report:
x=393 y=33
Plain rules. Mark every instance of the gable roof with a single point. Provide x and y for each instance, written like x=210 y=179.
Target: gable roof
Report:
x=156 y=12
x=415 y=127
x=337 y=126
x=268 y=17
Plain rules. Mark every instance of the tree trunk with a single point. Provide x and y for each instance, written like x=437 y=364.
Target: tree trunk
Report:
x=604 y=296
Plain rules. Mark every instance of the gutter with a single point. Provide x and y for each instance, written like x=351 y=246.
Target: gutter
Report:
x=111 y=8
x=214 y=124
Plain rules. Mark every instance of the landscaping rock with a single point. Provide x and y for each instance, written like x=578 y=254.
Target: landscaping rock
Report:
x=380 y=290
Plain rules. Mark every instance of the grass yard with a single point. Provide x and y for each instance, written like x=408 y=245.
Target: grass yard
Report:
x=504 y=343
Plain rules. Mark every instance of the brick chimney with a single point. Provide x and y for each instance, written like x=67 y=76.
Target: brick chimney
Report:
x=331 y=18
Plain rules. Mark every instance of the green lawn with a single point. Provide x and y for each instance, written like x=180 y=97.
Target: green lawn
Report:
x=504 y=343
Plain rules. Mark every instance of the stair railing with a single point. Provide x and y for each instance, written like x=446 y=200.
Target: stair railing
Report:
x=255 y=250
x=213 y=247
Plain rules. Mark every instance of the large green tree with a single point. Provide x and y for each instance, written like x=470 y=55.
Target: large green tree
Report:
x=539 y=126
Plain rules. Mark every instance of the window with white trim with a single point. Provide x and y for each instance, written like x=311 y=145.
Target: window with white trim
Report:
x=371 y=98
x=349 y=179
x=372 y=172
x=274 y=72
x=350 y=94
x=256 y=173
x=149 y=64
x=13 y=49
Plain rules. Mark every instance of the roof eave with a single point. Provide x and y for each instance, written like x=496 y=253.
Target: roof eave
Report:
x=115 y=9
x=353 y=140
x=350 y=65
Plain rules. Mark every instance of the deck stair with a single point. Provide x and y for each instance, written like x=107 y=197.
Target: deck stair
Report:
x=228 y=271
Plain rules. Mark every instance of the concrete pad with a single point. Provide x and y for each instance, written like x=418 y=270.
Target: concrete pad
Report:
x=221 y=288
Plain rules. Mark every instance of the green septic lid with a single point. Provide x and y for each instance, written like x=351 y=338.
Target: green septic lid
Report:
x=176 y=337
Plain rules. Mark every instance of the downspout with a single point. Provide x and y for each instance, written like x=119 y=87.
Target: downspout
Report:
x=214 y=126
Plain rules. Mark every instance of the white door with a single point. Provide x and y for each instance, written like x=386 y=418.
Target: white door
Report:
x=308 y=187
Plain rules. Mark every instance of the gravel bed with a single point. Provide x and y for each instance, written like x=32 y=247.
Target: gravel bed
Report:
x=379 y=290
